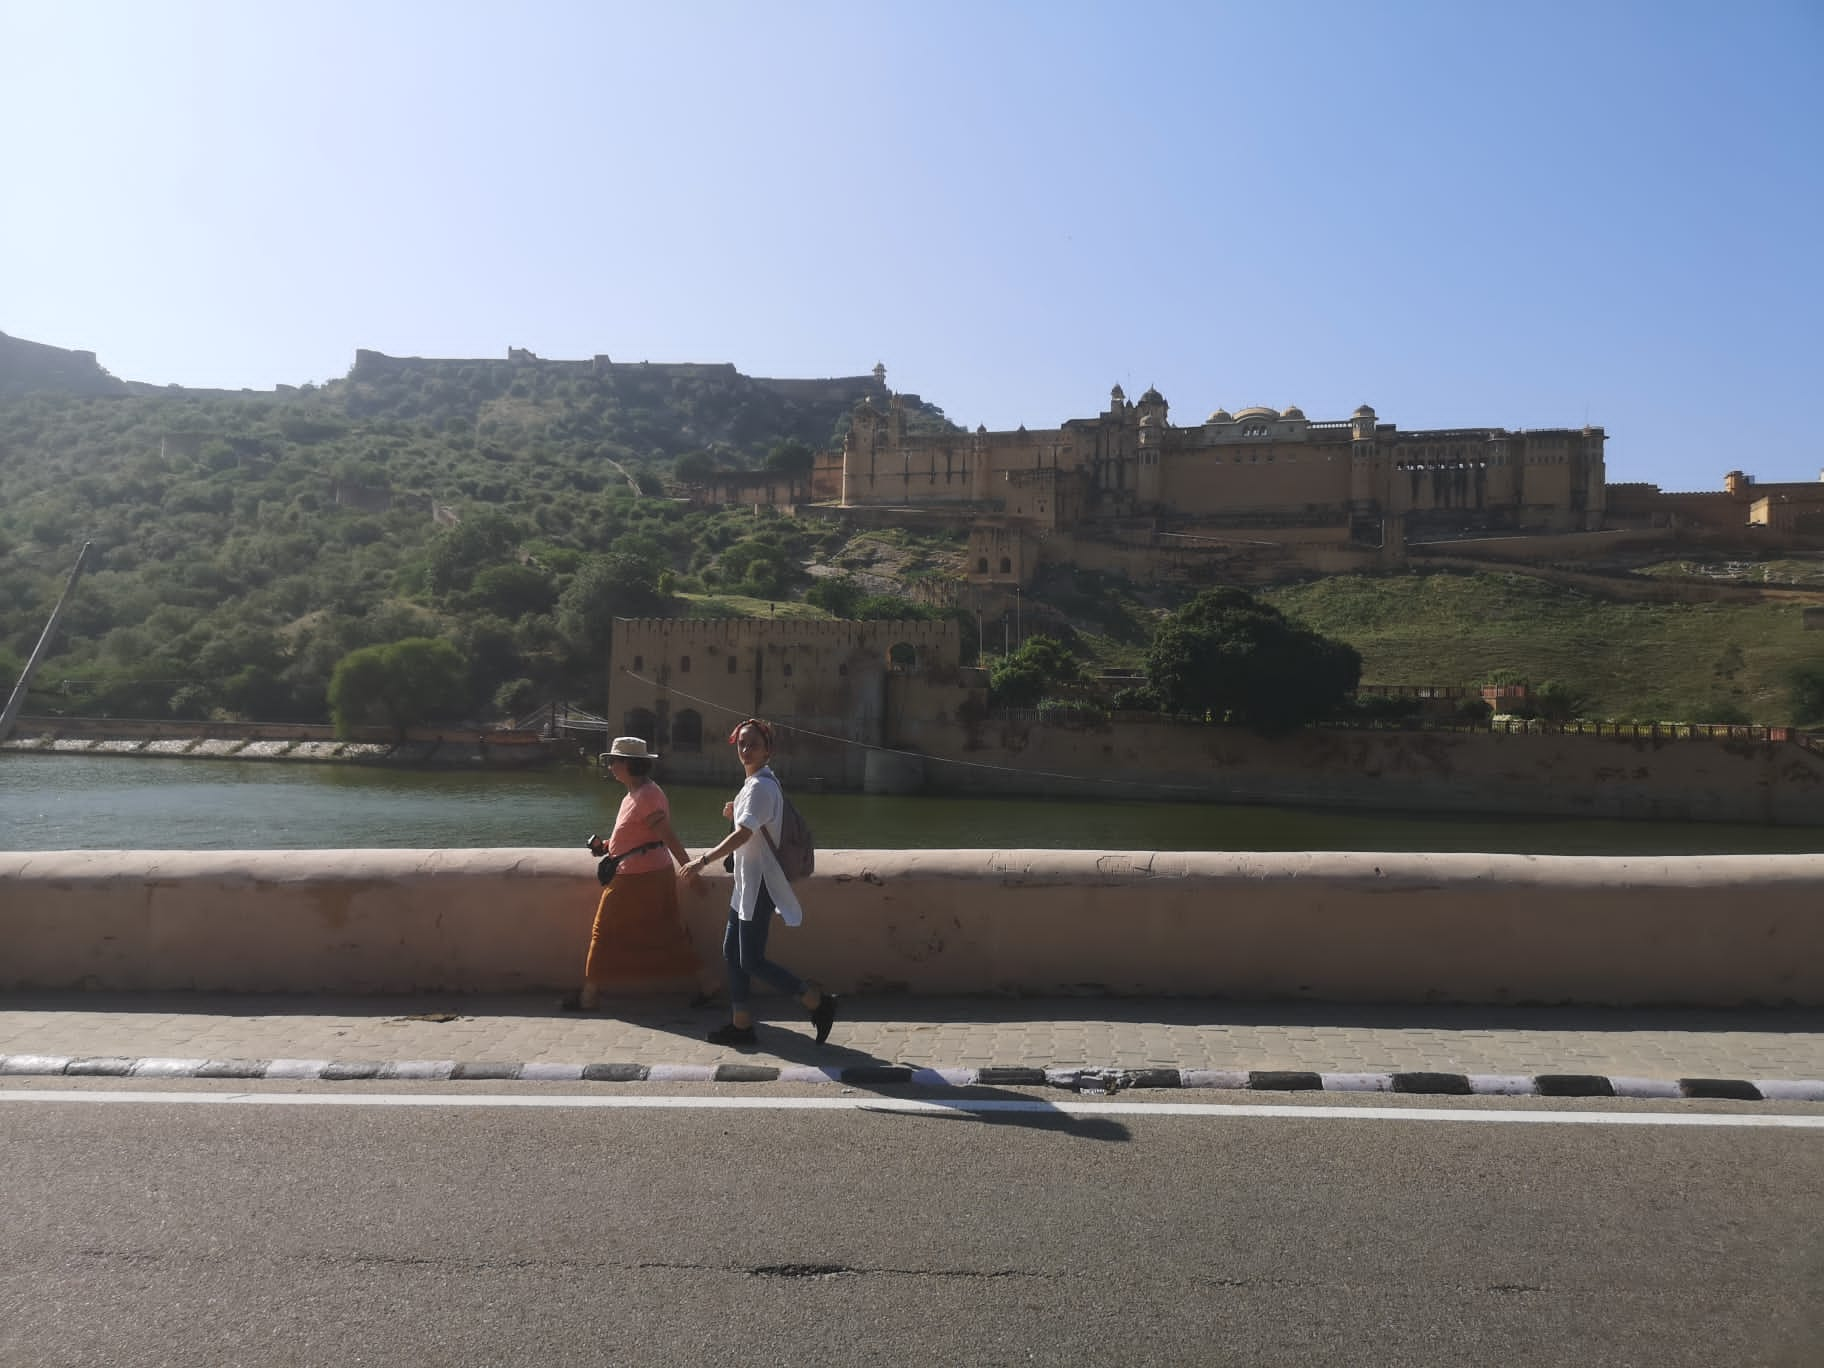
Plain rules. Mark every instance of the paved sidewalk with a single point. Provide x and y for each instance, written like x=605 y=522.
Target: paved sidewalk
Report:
x=931 y=1033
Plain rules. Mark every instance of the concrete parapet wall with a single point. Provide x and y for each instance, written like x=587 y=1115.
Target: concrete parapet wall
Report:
x=1346 y=927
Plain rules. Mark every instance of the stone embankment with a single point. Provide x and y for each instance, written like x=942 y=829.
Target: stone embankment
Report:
x=276 y=741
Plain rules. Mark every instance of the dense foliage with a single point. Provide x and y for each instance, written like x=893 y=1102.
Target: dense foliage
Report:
x=1229 y=657
x=400 y=685
x=245 y=545
x=1024 y=677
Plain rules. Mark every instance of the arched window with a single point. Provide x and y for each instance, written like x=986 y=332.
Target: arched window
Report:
x=902 y=658
x=731 y=664
x=1006 y=565
x=643 y=723
x=683 y=664
x=981 y=566
x=687 y=731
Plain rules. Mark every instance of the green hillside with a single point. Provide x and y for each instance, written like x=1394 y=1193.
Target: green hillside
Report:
x=248 y=542
x=1631 y=661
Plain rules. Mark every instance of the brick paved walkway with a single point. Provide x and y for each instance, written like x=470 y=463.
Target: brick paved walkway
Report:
x=1122 y=1033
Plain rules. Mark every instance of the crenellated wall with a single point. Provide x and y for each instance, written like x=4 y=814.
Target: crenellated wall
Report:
x=844 y=686
x=1346 y=927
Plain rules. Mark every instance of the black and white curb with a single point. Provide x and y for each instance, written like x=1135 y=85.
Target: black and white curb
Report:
x=1088 y=1081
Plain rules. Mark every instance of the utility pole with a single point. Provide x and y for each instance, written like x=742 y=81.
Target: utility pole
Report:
x=17 y=700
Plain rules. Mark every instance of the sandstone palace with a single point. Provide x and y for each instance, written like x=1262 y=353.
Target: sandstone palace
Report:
x=1254 y=467
x=1264 y=491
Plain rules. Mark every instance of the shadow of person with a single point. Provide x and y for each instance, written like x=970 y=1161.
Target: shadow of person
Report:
x=995 y=1107
x=858 y=1070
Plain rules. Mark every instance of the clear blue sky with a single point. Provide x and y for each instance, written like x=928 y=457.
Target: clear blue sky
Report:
x=1522 y=215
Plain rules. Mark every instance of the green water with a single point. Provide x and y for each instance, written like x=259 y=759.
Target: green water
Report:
x=54 y=802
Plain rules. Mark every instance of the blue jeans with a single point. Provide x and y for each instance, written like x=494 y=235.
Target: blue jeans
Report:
x=744 y=955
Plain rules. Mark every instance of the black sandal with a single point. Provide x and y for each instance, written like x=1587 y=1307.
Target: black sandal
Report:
x=823 y=1016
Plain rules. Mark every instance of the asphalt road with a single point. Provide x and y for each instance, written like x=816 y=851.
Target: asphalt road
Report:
x=273 y=1235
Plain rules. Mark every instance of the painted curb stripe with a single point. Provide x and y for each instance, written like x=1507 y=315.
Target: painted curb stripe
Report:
x=1090 y=1082
x=1284 y=1080
x=943 y=1078
x=1645 y=1087
x=1791 y=1090
x=104 y=1067
x=551 y=1073
x=1733 y=1089
x=296 y=1068
x=1358 y=1082
x=235 y=1068
x=1229 y=1080
x=33 y=1064
x=809 y=1073
x=1502 y=1085
x=165 y=1068
x=682 y=1073
x=1068 y=1106
x=423 y=1069
x=613 y=1073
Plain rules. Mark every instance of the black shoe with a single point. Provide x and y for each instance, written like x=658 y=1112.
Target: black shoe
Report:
x=731 y=1034
x=823 y=1016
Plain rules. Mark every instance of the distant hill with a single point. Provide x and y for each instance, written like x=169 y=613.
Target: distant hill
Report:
x=248 y=539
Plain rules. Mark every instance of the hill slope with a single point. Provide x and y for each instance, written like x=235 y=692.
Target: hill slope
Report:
x=248 y=541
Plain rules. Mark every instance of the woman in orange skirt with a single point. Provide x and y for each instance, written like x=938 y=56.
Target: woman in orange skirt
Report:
x=638 y=935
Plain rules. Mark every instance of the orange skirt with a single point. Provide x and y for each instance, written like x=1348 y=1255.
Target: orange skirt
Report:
x=638 y=936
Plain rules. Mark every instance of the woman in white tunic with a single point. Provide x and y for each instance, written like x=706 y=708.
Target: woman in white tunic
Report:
x=761 y=888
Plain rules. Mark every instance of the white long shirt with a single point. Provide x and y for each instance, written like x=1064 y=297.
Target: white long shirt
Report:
x=760 y=807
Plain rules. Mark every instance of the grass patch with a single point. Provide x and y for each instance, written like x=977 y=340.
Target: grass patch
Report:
x=1635 y=661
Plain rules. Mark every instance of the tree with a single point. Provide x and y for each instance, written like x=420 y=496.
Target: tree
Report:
x=1231 y=657
x=1805 y=693
x=606 y=587
x=837 y=595
x=482 y=538
x=1556 y=701
x=512 y=590
x=694 y=468
x=790 y=457
x=1020 y=680
x=402 y=685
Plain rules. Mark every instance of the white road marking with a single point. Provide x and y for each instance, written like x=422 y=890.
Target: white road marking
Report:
x=980 y=1106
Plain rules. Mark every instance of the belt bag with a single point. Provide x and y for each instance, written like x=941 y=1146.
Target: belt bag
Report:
x=609 y=863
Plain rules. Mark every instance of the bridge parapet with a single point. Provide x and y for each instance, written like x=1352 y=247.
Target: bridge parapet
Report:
x=1341 y=927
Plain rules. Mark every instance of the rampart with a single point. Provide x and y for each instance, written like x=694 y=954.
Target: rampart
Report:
x=1667 y=777
x=1342 y=927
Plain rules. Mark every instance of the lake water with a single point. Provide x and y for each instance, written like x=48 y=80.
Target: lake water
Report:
x=68 y=802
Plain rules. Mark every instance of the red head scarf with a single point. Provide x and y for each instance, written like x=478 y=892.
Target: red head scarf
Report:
x=766 y=732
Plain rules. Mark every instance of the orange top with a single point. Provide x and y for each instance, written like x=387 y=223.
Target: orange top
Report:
x=631 y=829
